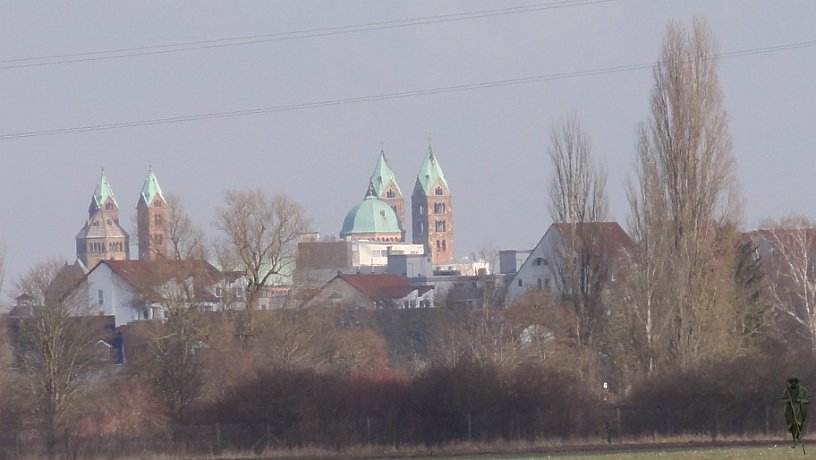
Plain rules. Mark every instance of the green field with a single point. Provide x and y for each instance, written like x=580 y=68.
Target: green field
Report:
x=772 y=452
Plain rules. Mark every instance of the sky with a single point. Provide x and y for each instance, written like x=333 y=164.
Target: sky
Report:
x=491 y=141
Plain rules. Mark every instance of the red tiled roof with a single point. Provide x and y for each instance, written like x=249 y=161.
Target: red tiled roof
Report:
x=610 y=235
x=382 y=286
x=145 y=275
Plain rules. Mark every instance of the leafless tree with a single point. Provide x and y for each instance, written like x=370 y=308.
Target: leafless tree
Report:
x=789 y=261
x=578 y=197
x=55 y=345
x=684 y=205
x=263 y=233
x=577 y=185
x=171 y=352
x=185 y=240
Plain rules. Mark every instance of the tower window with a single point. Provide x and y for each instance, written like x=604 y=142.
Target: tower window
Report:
x=100 y=297
x=439 y=208
x=421 y=210
x=157 y=239
x=157 y=219
x=440 y=225
x=390 y=194
x=438 y=245
x=108 y=205
x=439 y=191
x=421 y=227
x=444 y=245
x=157 y=203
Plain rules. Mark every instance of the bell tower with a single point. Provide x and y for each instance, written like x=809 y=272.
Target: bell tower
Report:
x=432 y=212
x=151 y=217
x=102 y=238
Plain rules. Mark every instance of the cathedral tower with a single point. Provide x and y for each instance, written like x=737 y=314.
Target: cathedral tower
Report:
x=102 y=238
x=151 y=218
x=386 y=188
x=432 y=213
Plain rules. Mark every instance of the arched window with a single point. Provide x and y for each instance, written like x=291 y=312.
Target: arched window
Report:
x=439 y=191
x=421 y=210
x=390 y=193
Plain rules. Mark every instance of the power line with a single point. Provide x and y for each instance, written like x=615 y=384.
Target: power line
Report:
x=282 y=36
x=392 y=95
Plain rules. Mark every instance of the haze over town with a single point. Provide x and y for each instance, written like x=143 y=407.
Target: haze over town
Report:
x=491 y=141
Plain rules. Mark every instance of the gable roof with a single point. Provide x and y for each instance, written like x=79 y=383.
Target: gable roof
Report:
x=612 y=238
x=147 y=276
x=382 y=286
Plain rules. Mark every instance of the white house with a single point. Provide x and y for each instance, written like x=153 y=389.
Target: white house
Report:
x=371 y=292
x=539 y=270
x=132 y=290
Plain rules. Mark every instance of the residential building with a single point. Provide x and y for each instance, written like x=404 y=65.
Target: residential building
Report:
x=561 y=243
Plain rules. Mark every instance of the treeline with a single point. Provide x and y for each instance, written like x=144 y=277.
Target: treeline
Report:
x=468 y=402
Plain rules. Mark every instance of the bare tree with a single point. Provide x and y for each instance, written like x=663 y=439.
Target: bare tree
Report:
x=789 y=261
x=55 y=345
x=577 y=185
x=185 y=239
x=684 y=203
x=578 y=198
x=263 y=233
x=170 y=355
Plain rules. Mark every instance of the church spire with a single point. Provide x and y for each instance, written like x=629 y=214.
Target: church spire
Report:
x=102 y=194
x=383 y=175
x=151 y=219
x=151 y=189
x=430 y=172
x=384 y=184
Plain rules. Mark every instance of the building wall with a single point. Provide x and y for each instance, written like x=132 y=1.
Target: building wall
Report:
x=537 y=270
x=118 y=298
x=152 y=225
x=432 y=217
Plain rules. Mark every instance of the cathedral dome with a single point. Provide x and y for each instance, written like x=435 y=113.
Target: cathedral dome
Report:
x=371 y=219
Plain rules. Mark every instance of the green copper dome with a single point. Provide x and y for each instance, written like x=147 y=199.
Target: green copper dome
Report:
x=371 y=216
x=430 y=172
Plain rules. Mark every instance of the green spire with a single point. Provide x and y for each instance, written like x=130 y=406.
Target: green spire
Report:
x=382 y=175
x=430 y=172
x=151 y=188
x=103 y=192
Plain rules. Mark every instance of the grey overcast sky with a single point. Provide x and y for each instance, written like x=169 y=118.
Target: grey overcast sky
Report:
x=491 y=142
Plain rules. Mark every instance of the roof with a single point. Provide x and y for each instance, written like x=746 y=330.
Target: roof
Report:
x=102 y=192
x=612 y=238
x=382 y=175
x=146 y=276
x=151 y=188
x=102 y=225
x=371 y=216
x=430 y=172
x=382 y=286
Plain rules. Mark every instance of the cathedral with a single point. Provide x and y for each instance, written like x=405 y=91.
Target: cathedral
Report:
x=103 y=238
x=381 y=215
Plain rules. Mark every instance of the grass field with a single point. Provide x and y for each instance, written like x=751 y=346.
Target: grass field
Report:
x=770 y=452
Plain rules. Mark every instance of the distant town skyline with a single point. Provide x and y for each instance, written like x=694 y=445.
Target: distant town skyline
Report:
x=484 y=80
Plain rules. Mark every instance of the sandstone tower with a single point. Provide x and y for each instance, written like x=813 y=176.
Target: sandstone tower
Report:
x=432 y=213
